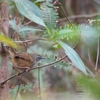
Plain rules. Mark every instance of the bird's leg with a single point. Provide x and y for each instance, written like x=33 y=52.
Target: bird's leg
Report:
x=17 y=70
x=26 y=68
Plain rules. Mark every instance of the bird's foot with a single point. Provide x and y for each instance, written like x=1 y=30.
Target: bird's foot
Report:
x=27 y=69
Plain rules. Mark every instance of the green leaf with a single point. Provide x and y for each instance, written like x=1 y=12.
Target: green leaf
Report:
x=64 y=31
x=30 y=10
x=21 y=28
x=74 y=57
x=39 y=1
x=12 y=23
x=27 y=28
x=89 y=35
x=89 y=85
x=50 y=14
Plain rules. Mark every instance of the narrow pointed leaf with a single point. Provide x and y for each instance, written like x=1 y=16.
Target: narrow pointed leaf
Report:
x=30 y=10
x=74 y=57
x=27 y=28
x=21 y=28
x=8 y=41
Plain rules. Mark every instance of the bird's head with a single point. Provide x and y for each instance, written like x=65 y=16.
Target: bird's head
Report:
x=38 y=57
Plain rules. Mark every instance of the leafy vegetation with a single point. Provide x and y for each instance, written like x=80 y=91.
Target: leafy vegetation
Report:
x=70 y=48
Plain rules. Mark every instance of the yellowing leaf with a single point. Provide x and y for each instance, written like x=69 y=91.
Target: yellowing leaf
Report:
x=8 y=41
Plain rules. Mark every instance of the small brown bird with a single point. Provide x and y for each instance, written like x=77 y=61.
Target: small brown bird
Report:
x=23 y=60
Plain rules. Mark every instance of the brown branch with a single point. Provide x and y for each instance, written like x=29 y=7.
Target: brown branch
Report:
x=80 y=16
x=4 y=92
x=1 y=86
x=2 y=83
x=58 y=3
x=28 y=23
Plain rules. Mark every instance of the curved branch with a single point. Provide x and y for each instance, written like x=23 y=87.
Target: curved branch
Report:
x=32 y=69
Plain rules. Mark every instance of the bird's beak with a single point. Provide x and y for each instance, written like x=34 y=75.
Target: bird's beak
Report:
x=40 y=58
x=43 y=57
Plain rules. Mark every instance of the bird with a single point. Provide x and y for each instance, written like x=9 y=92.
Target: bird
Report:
x=23 y=60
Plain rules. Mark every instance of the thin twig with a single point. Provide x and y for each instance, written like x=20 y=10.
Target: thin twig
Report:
x=27 y=23
x=89 y=57
x=32 y=69
x=26 y=41
x=17 y=92
x=57 y=2
x=96 y=65
x=19 y=84
x=39 y=84
x=80 y=16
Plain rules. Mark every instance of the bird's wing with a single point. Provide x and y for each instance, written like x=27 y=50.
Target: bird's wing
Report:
x=24 y=56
